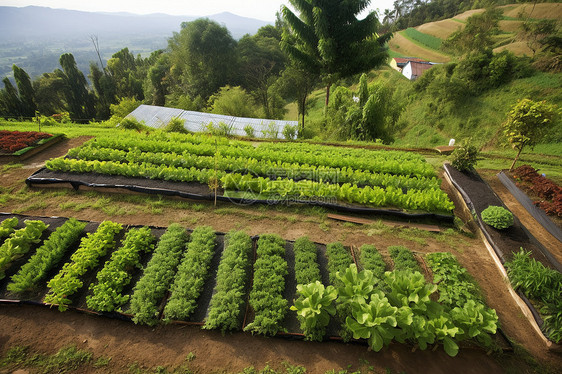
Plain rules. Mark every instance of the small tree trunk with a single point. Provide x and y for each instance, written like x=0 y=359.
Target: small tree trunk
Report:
x=516 y=158
x=327 y=99
x=301 y=132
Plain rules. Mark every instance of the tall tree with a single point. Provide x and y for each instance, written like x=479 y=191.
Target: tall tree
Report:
x=123 y=67
x=49 y=93
x=105 y=90
x=157 y=77
x=25 y=90
x=297 y=84
x=261 y=61
x=328 y=40
x=202 y=57
x=80 y=102
x=10 y=103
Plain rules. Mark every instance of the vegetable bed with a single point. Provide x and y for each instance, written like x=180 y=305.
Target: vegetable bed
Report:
x=159 y=275
x=269 y=172
x=17 y=144
x=532 y=260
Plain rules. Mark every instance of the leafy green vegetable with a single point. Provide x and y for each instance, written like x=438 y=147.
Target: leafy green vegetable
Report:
x=19 y=243
x=232 y=277
x=8 y=226
x=192 y=274
x=116 y=274
x=47 y=256
x=266 y=297
x=374 y=321
x=454 y=284
x=158 y=275
x=306 y=266
x=92 y=248
x=371 y=259
x=314 y=308
x=403 y=258
x=542 y=285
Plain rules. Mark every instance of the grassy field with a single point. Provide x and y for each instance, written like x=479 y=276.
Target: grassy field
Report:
x=426 y=40
x=407 y=47
x=440 y=29
x=542 y=10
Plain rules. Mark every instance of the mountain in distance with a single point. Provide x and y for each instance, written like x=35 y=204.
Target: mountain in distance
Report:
x=17 y=24
x=34 y=37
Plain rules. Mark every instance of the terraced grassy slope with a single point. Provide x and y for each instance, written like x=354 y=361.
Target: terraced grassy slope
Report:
x=400 y=45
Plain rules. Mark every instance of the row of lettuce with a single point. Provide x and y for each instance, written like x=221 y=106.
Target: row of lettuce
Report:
x=368 y=302
x=375 y=178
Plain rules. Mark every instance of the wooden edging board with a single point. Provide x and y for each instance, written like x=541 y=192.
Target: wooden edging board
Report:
x=365 y=221
x=522 y=305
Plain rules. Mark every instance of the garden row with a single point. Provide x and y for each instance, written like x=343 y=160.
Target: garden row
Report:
x=393 y=162
x=280 y=170
x=167 y=277
x=532 y=270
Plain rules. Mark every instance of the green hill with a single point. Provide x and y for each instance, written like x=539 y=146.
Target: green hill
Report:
x=429 y=117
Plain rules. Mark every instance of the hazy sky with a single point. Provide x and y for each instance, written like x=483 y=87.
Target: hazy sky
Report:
x=260 y=9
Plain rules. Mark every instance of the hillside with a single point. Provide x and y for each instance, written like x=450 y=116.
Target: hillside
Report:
x=402 y=45
x=429 y=118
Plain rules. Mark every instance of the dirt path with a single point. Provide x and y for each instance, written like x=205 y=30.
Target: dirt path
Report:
x=48 y=330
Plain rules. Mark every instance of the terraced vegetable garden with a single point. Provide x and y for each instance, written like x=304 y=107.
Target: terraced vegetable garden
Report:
x=151 y=275
x=242 y=171
x=262 y=284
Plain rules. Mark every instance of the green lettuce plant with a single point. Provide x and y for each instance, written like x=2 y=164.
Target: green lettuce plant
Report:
x=314 y=307
x=497 y=217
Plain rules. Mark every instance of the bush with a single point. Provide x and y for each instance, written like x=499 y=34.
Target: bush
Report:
x=289 y=132
x=126 y=105
x=464 y=157
x=222 y=129
x=271 y=131
x=497 y=217
x=233 y=101
x=132 y=124
x=176 y=125
x=249 y=130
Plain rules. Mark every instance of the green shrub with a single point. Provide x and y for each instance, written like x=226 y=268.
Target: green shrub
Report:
x=233 y=101
x=126 y=105
x=176 y=125
x=222 y=129
x=464 y=157
x=271 y=131
x=249 y=130
x=497 y=217
x=131 y=124
x=289 y=132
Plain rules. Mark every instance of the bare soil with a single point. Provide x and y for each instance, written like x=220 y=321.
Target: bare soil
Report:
x=46 y=330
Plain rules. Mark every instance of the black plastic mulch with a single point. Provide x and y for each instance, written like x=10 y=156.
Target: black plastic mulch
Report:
x=478 y=195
